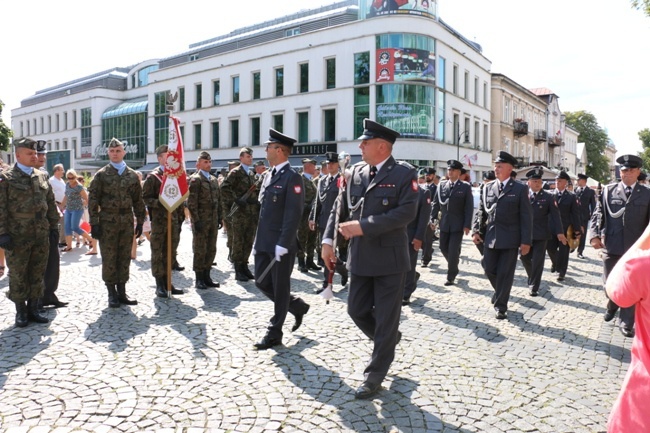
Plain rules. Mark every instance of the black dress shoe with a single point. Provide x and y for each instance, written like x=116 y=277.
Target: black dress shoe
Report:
x=560 y=278
x=425 y=264
x=449 y=283
x=267 y=342
x=533 y=292
x=552 y=269
x=500 y=315
x=626 y=330
x=580 y=256
x=609 y=315
x=367 y=390
x=344 y=279
x=406 y=301
x=59 y=304
x=177 y=267
x=299 y=317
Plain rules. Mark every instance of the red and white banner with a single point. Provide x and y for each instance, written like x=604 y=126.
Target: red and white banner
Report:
x=174 y=189
x=470 y=160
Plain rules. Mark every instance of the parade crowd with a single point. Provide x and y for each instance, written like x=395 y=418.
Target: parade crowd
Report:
x=369 y=223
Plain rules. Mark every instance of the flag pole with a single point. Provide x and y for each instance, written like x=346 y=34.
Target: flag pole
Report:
x=170 y=108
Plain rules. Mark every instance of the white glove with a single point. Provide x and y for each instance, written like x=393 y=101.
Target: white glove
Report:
x=279 y=252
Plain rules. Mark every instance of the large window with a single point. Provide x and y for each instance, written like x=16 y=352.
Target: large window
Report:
x=143 y=75
x=160 y=120
x=197 y=137
x=86 y=133
x=303 y=127
x=279 y=81
x=126 y=121
x=304 y=77
x=330 y=73
x=181 y=99
x=257 y=85
x=234 y=133
x=361 y=108
x=329 y=125
x=362 y=68
x=407 y=108
x=199 y=96
x=255 y=131
x=442 y=76
x=235 y=89
x=278 y=122
x=216 y=92
x=215 y=134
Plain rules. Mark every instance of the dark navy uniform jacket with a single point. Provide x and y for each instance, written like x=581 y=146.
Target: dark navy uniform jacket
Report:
x=389 y=205
x=569 y=210
x=459 y=210
x=546 y=217
x=587 y=201
x=322 y=208
x=281 y=208
x=417 y=228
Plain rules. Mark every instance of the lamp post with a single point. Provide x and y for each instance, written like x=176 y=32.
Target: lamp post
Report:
x=466 y=142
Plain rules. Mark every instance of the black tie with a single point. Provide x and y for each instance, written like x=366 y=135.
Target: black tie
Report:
x=373 y=172
x=451 y=186
x=273 y=172
x=500 y=187
x=628 y=191
x=532 y=197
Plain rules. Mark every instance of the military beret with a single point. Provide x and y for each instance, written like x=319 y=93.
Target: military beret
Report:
x=629 y=161
x=563 y=175
x=25 y=143
x=535 y=173
x=246 y=150
x=205 y=155
x=642 y=176
x=162 y=149
x=507 y=158
x=41 y=146
x=454 y=165
x=259 y=163
x=233 y=162
x=582 y=176
x=278 y=137
x=331 y=157
x=373 y=129
x=309 y=161
x=115 y=143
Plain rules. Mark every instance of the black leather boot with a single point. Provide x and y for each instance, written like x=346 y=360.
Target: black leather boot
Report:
x=199 y=283
x=121 y=295
x=311 y=265
x=33 y=314
x=161 y=292
x=208 y=281
x=246 y=271
x=239 y=274
x=113 y=302
x=301 y=265
x=21 y=314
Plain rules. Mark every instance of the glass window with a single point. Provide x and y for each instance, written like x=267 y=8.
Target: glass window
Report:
x=303 y=127
x=476 y=89
x=455 y=80
x=216 y=92
x=485 y=94
x=74 y=120
x=466 y=86
x=143 y=75
x=304 y=77
x=442 y=76
x=234 y=133
x=506 y=111
x=199 y=97
x=278 y=122
x=330 y=66
x=361 y=108
x=197 y=136
x=329 y=125
x=215 y=134
x=279 y=81
x=181 y=99
x=235 y=89
x=406 y=108
x=65 y=122
x=257 y=85
x=255 y=131
x=440 y=116
x=362 y=68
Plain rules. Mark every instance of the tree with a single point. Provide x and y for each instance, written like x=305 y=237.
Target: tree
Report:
x=643 y=5
x=595 y=139
x=5 y=131
x=644 y=136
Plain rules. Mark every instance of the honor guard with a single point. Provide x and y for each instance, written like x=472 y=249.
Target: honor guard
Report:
x=587 y=203
x=429 y=236
x=306 y=237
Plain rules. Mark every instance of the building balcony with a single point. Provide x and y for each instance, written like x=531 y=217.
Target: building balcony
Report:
x=555 y=141
x=520 y=127
x=522 y=161
x=540 y=135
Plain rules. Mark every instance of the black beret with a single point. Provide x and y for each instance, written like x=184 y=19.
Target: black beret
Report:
x=535 y=173
x=630 y=161
x=278 y=137
x=375 y=130
x=453 y=164
x=507 y=158
x=563 y=175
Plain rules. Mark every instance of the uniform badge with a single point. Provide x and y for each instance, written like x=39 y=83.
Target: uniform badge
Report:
x=275 y=198
x=414 y=185
x=384 y=201
x=297 y=189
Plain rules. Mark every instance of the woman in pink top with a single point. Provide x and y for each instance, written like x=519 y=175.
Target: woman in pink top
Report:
x=628 y=285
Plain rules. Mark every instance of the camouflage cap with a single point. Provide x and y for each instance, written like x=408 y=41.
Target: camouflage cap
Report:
x=205 y=155
x=162 y=149
x=246 y=150
x=259 y=163
x=25 y=143
x=115 y=143
x=309 y=161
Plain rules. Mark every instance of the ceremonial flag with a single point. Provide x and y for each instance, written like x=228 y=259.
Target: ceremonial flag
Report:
x=174 y=189
x=470 y=159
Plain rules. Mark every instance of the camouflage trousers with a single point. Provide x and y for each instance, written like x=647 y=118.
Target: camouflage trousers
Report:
x=307 y=239
x=27 y=262
x=115 y=247
x=242 y=228
x=204 y=246
x=158 y=244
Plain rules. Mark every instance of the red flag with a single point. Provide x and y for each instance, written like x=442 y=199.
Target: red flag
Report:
x=174 y=189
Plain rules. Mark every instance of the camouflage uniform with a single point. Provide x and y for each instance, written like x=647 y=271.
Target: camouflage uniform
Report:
x=113 y=199
x=204 y=205
x=243 y=223
x=307 y=238
x=158 y=216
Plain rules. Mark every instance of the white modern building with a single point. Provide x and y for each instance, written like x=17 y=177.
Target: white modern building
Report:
x=313 y=75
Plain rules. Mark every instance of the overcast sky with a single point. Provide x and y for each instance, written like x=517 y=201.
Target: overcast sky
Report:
x=594 y=54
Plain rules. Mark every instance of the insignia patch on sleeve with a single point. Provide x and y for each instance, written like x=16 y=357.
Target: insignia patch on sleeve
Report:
x=297 y=189
x=414 y=185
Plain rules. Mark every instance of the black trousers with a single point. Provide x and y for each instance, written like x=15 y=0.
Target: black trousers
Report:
x=499 y=266
x=559 y=255
x=412 y=275
x=626 y=315
x=427 y=245
x=534 y=263
x=52 y=270
x=375 y=305
x=276 y=286
x=450 y=245
x=583 y=238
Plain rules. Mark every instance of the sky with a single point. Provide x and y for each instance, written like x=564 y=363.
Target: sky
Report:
x=593 y=54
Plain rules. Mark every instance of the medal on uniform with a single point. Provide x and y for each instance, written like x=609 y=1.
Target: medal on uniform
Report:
x=275 y=198
x=384 y=201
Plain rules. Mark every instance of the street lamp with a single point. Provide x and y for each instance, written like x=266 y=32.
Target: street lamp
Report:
x=466 y=142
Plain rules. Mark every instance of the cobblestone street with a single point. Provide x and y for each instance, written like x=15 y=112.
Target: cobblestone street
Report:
x=188 y=364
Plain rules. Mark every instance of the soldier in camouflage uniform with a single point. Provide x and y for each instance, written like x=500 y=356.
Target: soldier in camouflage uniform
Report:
x=306 y=237
x=28 y=223
x=231 y=165
x=243 y=222
x=158 y=216
x=204 y=204
x=114 y=196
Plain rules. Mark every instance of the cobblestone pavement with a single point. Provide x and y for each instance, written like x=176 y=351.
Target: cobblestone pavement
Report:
x=188 y=364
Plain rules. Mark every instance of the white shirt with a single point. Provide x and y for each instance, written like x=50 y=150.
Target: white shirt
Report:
x=58 y=187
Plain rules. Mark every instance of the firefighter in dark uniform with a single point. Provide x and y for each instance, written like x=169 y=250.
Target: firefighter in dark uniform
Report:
x=114 y=196
x=545 y=216
x=455 y=203
x=621 y=215
x=204 y=204
x=569 y=209
x=158 y=217
x=429 y=235
x=587 y=201
x=29 y=221
x=416 y=231
x=282 y=200
x=306 y=237
x=380 y=200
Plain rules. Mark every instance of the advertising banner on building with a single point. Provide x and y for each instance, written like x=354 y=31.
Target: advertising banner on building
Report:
x=405 y=64
x=373 y=8
x=411 y=120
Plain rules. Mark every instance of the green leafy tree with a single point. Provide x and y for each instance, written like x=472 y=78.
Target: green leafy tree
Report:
x=595 y=139
x=643 y=5
x=644 y=136
x=5 y=131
